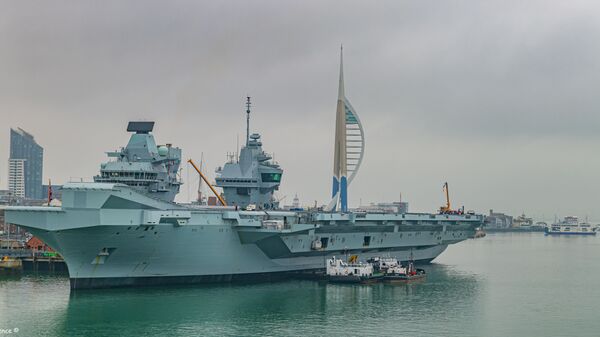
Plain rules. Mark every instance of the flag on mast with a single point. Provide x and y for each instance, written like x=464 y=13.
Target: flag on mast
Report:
x=49 y=191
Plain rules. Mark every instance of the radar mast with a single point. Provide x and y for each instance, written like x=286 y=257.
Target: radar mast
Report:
x=248 y=119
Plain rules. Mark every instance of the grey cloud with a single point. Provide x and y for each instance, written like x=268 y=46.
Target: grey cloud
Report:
x=498 y=97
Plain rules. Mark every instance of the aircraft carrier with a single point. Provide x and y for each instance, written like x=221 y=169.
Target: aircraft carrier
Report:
x=124 y=229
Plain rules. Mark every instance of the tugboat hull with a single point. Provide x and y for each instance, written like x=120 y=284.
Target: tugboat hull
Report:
x=354 y=279
x=404 y=278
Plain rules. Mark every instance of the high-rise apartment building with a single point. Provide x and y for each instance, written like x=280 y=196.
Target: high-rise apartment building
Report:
x=16 y=177
x=25 y=165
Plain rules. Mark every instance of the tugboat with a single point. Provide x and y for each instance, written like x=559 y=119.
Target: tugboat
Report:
x=404 y=274
x=352 y=271
x=401 y=274
x=382 y=264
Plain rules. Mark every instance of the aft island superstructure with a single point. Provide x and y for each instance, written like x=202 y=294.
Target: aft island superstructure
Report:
x=124 y=229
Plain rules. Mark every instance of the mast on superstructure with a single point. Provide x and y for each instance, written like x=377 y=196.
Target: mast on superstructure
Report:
x=247 y=120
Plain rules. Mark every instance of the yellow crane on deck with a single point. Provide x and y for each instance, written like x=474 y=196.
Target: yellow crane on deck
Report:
x=207 y=183
x=447 y=208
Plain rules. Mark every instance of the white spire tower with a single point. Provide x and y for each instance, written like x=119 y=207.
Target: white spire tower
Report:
x=349 y=146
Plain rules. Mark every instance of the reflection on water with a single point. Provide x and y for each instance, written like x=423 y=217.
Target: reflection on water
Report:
x=44 y=306
x=286 y=308
x=34 y=304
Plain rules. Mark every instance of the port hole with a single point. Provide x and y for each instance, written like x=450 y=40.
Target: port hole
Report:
x=366 y=241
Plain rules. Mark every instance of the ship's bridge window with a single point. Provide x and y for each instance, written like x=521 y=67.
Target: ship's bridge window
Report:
x=271 y=177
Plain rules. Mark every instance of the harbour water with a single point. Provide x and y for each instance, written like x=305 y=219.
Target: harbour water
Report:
x=506 y=284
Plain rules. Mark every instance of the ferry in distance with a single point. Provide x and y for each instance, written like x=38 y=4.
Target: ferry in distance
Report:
x=570 y=225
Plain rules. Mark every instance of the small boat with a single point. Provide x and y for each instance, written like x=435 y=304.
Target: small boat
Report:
x=381 y=264
x=9 y=263
x=479 y=233
x=403 y=274
x=339 y=271
x=570 y=226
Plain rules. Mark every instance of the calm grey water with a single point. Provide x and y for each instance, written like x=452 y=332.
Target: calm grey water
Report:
x=502 y=285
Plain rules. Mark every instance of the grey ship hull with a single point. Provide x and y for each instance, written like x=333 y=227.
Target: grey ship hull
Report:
x=110 y=235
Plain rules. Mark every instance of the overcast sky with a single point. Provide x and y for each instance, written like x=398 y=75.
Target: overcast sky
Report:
x=499 y=98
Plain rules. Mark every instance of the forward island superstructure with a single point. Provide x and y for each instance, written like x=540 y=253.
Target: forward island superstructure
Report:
x=124 y=229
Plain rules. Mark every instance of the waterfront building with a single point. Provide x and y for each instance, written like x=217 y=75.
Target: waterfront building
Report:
x=36 y=244
x=498 y=220
x=25 y=165
x=6 y=229
x=522 y=221
x=16 y=177
x=399 y=207
x=5 y=197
